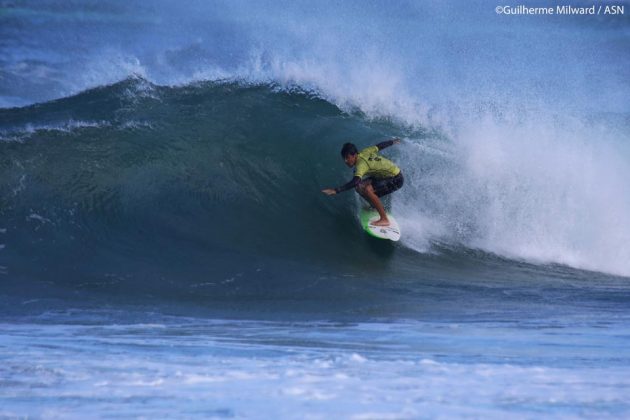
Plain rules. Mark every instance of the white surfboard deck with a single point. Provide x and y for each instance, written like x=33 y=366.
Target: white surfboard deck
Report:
x=391 y=232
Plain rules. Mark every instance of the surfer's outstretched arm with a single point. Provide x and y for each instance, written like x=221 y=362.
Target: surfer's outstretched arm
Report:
x=387 y=143
x=349 y=185
x=345 y=187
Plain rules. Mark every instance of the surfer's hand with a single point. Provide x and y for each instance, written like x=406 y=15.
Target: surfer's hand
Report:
x=396 y=140
x=329 y=191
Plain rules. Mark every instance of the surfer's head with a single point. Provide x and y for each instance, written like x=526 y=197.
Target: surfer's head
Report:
x=349 y=154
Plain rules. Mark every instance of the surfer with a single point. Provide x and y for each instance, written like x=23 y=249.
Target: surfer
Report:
x=374 y=176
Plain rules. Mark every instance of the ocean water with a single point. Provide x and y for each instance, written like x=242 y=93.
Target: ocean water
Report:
x=165 y=250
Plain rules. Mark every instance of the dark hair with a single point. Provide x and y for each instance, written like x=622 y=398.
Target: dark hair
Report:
x=348 y=149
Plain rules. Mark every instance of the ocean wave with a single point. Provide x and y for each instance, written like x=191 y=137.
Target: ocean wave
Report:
x=199 y=179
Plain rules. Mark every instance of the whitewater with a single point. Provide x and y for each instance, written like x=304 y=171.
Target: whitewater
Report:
x=165 y=249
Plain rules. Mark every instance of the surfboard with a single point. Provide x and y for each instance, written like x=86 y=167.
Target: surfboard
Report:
x=391 y=232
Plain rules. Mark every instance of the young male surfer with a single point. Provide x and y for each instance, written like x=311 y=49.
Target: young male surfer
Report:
x=374 y=176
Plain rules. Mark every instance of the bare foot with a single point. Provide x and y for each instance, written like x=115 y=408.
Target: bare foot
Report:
x=381 y=222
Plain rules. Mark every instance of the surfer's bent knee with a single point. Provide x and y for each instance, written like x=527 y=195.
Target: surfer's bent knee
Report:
x=363 y=188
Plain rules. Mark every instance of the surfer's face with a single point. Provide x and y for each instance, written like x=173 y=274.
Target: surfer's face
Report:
x=350 y=160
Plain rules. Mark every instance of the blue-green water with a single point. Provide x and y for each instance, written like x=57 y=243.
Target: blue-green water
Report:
x=165 y=250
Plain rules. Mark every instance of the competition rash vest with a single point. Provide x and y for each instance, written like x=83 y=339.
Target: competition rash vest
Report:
x=371 y=164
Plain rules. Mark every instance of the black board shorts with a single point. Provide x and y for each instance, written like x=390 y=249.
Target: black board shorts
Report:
x=386 y=186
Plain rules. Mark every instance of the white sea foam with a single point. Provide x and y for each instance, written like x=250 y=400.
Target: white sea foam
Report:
x=212 y=366
x=136 y=125
x=26 y=131
x=534 y=191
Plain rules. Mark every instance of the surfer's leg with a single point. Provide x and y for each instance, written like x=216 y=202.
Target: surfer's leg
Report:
x=360 y=189
x=367 y=191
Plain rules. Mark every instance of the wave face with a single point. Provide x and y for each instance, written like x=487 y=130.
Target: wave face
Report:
x=134 y=182
x=188 y=146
